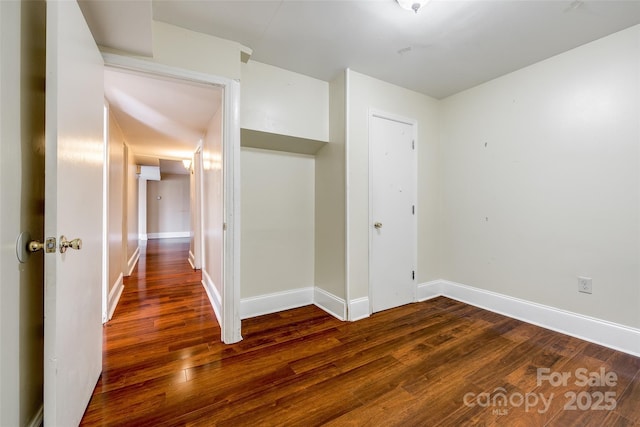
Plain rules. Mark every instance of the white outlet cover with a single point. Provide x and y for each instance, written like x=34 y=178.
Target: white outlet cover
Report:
x=585 y=284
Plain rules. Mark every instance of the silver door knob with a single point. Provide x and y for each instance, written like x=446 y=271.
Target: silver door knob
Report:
x=66 y=244
x=378 y=225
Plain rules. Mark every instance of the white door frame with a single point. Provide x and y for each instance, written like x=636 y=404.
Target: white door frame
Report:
x=375 y=113
x=105 y=216
x=198 y=213
x=231 y=325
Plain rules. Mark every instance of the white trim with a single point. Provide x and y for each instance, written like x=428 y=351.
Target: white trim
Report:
x=330 y=303
x=38 y=417
x=212 y=292
x=231 y=325
x=430 y=290
x=131 y=264
x=142 y=209
x=200 y=174
x=347 y=270
x=359 y=308
x=169 y=235
x=192 y=260
x=198 y=238
x=285 y=300
x=380 y=114
x=148 y=66
x=105 y=214
x=608 y=334
x=114 y=295
x=275 y=302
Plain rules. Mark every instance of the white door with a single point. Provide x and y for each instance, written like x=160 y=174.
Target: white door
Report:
x=73 y=207
x=392 y=216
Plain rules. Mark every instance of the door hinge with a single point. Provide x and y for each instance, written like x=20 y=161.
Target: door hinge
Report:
x=413 y=209
x=413 y=144
x=413 y=275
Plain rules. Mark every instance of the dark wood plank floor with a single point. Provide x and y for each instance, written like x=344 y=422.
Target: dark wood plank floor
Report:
x=439 y=362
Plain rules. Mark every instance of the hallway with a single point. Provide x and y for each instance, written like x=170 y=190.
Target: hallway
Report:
x=163 y=325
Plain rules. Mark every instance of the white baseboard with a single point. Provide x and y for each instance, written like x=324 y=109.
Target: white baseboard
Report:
x=38 y=417
x=133 y=261
x=430 y=290
x=169 y=235
x=114 y=295
x=330 y=303
x=278 y=301
x=608 y=334
x=359 y=308
x=214 y=296
x=143 y=236
x=192 y=260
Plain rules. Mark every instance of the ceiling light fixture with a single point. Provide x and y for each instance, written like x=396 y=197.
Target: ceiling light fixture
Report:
x=414 y=5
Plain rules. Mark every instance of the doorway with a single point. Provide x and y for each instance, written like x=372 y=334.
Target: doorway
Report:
x=392 y=211
x=213 y=163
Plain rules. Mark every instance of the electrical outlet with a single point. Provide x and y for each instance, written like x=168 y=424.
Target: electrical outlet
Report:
x=584 y=284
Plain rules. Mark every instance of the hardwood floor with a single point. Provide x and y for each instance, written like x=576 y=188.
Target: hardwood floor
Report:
x=439 y=362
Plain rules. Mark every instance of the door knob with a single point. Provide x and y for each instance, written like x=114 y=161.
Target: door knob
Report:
x=66 y=244
x=378 y=225
x=35 y=246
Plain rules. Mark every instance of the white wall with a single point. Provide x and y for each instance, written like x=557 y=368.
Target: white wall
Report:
x=277 y=215
x=131 y=210
x=541 y=110
x=168 y=210
x=213 y=218
x=182 y=48
x=330 y=188
x=280 y=101
x=278 y=188
x=122 y=224
x=116 y=197
x=363 y=93
x=555 y=193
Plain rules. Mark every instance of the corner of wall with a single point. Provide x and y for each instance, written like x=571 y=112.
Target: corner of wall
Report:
x=330 y=303
x=359 y=309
